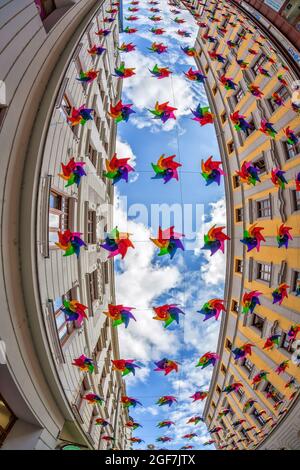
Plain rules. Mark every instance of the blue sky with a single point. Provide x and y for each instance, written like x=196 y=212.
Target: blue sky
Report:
x=144 y=280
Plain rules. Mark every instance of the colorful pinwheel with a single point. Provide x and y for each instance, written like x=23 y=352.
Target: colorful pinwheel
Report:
x=189 y=436
x=215 y=239
x=70 y=242
x=166 y=400
x=72 y=172
x=243 y=351
x=212 y=308
x=267 y=128
x=271 y=341
x=168 y=241
x=101 y=422
x=74 y=310
x=278 y=178
x=202 y=115
x=167 y=313
x=157 y=31
x=189 y=51
x=280 y=293
x=131 y=18
x=117 y=169
x=195 y=75
x=96 y=50
x=211 y=171
x=166 y=168
x=88 y=76
x=159 y=48
x=163 y=111
x=128 y=30
x=291 y=383
x=228 y=83
x=215 y=430
x=199 y=395
x=297 y=181
x=263 y=71
x=84 y=363
x=223 y=412
x=282 y=80
x=123 y=72
x=207 y=359
x=250 y=300
x=238 y=422
x=276 y=98
x=126 y=366
x=103 y=32
x=164 y=424
x=248 y=173
x=166 y=366
x=160 y=72
x=235 y=386
x=283 y=235
x=80 y=116
x=183 y=33
x=127 y=402
x=282 y=367
x=242 y=64
x=117 y=243
x=126 y=47
x=293 y=331
x=253 y=237
x=136 y=440
x=132 y=424
x=93 y=399
x=216 y=57
x=255 y=91
x=195 y=420
x=240 y=123
x=291 y=137
x=120 y=314
x=120 y=112
x=164 y=439
x=210 y=442
x=262 y=375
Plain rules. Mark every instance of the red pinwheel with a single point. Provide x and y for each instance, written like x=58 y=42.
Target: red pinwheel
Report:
x=166 y=366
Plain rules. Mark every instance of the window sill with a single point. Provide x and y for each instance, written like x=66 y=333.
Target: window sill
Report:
x=55 y=16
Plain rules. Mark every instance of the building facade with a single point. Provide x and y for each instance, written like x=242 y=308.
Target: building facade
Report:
x=45 y=48
x=272 y=420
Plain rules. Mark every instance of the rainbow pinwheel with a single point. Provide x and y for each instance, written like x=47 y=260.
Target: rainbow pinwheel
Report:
x=282 y=80
x=291 y=383
x=112 y=11
x=167 y=313
x=238 y=422
x=240 y=123
x=186 y=447
x=276 y=98
x=164 y=439
x=267 y=128
x=160 y=72
x=129 y=30
x=199 y=395
x=202 y=115
x=189 y=51
x=72 y=172
x=80 y=116
x=84 y=363
x=96 y=50
x=278 y=178
x=216 y=57
x=126 y=47
x=107 y=19
x=131 y=18
x=74 y=310
x=235 y=386
x=189 y=436
x=166 y=400
x=157 y=31
x=242 y=64
x=154 y=18
x=253 y=237
x=283 y=235
x=101 y=422
x=93 y=399
x=209 y=38
x=126 y=366
x=228 y=83
x=296 y=107
x=291 y=137
x=297 y=181
x=282 y=367
x=255 y=91
x=166 y=168
x=252 y=51
x=214 y=240
x=132 y=424
x=133 y=9
x=164 y=424
x=271 y=341
x=103 y=32
x=117 y=169
x=127 y=402
x=136 y=440
x=166 y=366
x=159 y=48
x=215 y=430
x=154 y=10
x=123 y=72
x=223 y=412
x=163 y=111
x=168 y=241
x=211 y=171
x=280 y=293
x=179 y=20
x=107 y=438
x=183 y=33
x=293 y=331
x=119 y=314
x=195 y=75
x=195 y=420
x=251 y=428
x=208 y=359
x=120 y=112
x=70 y=242
x=117 y=243
x=248 y=173
x=88 y=76
x=208 y=443
x=231 y=44
x=212 y=308
x=263 y=71
x=250 y=300
x=243 y=351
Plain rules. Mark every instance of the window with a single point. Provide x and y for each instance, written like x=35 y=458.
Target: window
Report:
x=218 y=389
x=295 y=196
x=258 y=322
x=248 y=365
x=263 y=208
x=259 y=63
x=93 y=285
x=239 y=214
x=213 y=404
x=7 y=419
x=66 y=108
x=93 y=154
x=228 y=344
x=236 y=181
x=206 y=68
x=223 y=117
x=283 y=92
x=45 y=7
x=230 y=146
x=234 y=306
x=64 y=327
x=260 y=164
x=287 y=344
x=251 y=129
x=264 y=272
x=258 y=417
x=238 y=266
x=239 y=95
x=273 y=393
x=223 y=369
x=295 y=281
x=84 y=387
x=214 y=90
x=91 y=226
x=291 y=151
x=58 y=215
x=240 y=392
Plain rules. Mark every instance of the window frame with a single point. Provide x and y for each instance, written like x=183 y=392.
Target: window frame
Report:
x=12 y=419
